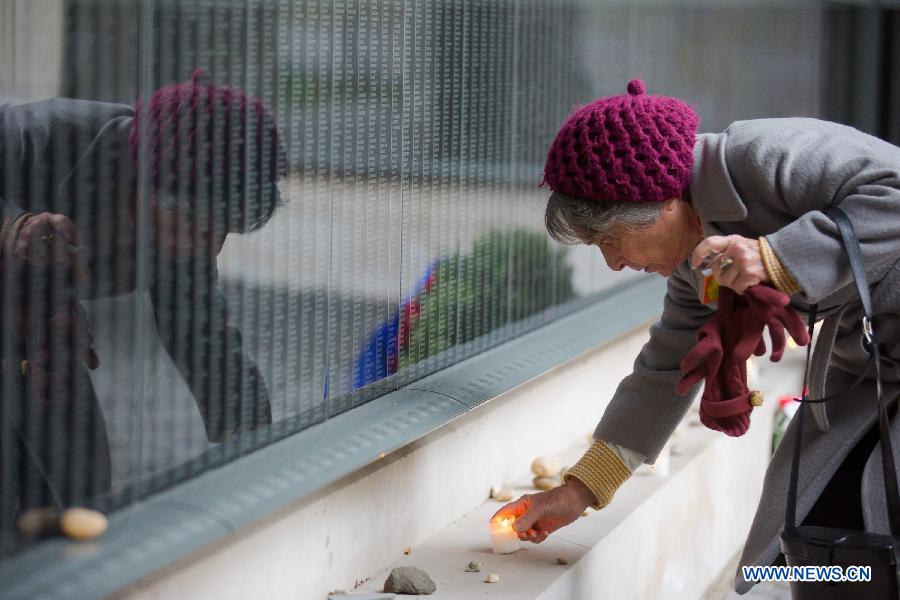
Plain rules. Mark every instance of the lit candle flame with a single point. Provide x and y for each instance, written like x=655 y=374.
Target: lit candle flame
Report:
x=504 y=539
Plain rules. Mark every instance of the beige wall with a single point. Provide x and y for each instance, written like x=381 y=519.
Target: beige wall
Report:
x=31 y=39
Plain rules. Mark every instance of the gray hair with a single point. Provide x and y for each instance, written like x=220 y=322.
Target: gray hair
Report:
x=572 y=220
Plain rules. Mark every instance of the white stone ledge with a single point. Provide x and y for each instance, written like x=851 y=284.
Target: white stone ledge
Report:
x=660 y=538
x=359 y=525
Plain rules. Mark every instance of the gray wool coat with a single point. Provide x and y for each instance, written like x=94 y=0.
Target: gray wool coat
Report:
x=774 y=178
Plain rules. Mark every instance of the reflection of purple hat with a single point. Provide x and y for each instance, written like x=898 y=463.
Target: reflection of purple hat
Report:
x=631 y=147
x=199 y=131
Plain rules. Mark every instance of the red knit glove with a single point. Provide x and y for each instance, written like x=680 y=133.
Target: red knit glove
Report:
x=54 y=348
x=63 y=338
x=725 y=400
x=732 y=327
x=772 y=308
x=704 y=359
x=725 y=343
x=725 y=404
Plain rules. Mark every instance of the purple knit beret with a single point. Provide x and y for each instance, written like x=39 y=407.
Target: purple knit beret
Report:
x=199 y=131
x=632 y=147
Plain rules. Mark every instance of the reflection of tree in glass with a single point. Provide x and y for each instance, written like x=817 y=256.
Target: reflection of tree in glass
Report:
x=507 y=276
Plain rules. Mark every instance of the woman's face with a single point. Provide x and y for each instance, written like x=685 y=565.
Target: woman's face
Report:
x=177 y=232
x=659 y=248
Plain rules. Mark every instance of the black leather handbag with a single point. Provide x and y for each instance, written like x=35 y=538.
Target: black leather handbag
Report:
x=808 y=545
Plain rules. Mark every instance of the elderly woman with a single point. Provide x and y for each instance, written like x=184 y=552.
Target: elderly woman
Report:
x=631 y=176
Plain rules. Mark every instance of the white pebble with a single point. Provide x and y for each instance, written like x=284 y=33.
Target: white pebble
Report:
x=545 y=466
x=545 y=483
x=83 y=523
x=504 y=495
x=492 y=578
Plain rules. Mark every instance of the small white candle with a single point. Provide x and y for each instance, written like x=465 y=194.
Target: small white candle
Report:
x=504 y=538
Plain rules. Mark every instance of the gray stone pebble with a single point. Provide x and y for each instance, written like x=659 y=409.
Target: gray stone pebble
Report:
x=409 y=580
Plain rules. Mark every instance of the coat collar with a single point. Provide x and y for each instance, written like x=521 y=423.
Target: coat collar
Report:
x=110 y=148
x=712 y=192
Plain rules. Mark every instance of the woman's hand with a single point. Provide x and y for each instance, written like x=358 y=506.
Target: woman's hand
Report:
x=46 y=238
x=739 y=264
x=539 y=515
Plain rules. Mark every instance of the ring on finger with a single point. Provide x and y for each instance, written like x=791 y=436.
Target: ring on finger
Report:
x=725 y=264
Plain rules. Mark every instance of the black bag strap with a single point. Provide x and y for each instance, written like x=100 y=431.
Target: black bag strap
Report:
x=892 y=494
x=790 y=515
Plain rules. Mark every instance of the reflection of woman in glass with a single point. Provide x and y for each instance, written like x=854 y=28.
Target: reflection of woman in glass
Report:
x=72 y=200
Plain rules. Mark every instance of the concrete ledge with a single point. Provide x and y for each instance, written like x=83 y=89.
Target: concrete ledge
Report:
x=362 y=522
x=660 y=538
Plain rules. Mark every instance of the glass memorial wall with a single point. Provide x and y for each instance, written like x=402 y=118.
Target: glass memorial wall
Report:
x=233 y=220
